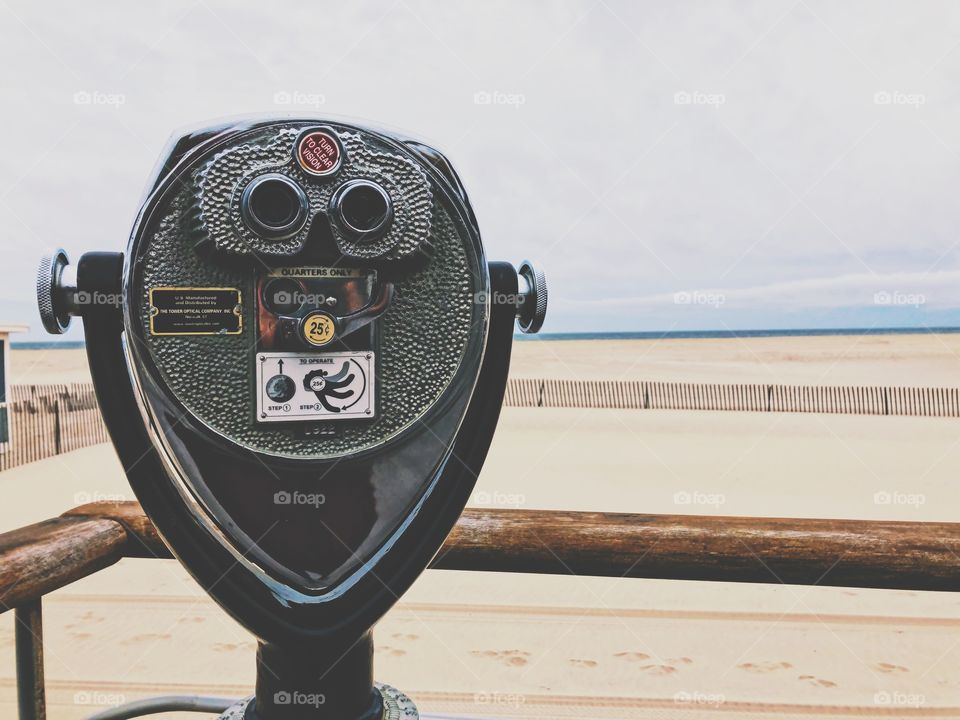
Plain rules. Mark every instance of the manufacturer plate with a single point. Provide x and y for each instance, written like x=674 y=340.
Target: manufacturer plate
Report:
x=315 y=386
x=195 y=311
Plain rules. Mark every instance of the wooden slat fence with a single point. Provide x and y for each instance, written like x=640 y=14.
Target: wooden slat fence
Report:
x=750 y=397
x=47 y=420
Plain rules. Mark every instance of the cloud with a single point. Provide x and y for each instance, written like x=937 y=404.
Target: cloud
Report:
x=776 y=198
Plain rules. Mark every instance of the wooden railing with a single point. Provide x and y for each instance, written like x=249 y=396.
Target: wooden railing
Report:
x=41 y=558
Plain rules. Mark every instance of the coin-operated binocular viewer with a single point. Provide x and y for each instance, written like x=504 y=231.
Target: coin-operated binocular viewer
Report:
x=301 y=359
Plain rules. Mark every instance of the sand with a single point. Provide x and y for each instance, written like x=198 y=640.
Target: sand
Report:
x=521 y=646
x=926 y=360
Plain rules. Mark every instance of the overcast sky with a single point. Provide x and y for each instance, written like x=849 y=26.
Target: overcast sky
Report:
x=671 y=165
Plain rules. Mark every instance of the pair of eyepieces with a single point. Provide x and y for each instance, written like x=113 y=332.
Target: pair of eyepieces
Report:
x=276 y=207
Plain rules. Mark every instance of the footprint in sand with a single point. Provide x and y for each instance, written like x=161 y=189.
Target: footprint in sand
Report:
x=233 y=647
x=146 y=637
x=818 y=682
x=391 y=651
x=632 y=656
x=511 y=658
x=763 y=668
x=681 y=660
x=577 y=662
x=889 y=668
x=658 y=669
x=80 y=635
x=85 y=619
x=404 y=636
x=191 y=619
x=652 y=668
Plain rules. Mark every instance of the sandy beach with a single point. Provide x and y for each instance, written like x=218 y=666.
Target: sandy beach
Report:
x=923 y=360
x=522 y=646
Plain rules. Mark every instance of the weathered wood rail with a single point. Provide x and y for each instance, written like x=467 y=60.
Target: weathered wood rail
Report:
x=40 y=558
x=43 y=557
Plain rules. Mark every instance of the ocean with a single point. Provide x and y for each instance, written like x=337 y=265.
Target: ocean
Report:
x=636 y=335
x=733 y=334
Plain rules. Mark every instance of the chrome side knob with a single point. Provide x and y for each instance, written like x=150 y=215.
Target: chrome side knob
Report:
x=56 y=290
x=532 y=305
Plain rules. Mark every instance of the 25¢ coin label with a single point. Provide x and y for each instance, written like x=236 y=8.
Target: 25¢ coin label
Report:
x=318 y=329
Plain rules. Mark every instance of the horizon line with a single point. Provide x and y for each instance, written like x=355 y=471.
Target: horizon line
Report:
x=633 y=334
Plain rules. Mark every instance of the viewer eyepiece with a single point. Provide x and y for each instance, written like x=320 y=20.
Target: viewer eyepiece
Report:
x=274 y=206
x=362 y=208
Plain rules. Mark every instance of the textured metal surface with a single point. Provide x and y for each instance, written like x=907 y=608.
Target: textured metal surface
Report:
x=424 y=334
x=238 y=711
x=396 y=705
x=220 y=183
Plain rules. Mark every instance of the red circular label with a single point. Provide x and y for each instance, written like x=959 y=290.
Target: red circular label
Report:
x=318 y=153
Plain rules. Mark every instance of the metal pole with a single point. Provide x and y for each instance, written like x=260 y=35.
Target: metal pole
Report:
x=328 y=681
x=165 y=704
x=31 y=695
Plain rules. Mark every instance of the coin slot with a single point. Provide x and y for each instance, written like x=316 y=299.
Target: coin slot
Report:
x=283 y=296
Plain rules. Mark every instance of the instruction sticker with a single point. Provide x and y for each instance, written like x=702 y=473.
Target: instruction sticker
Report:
x=294 y=386
x=195 y=311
